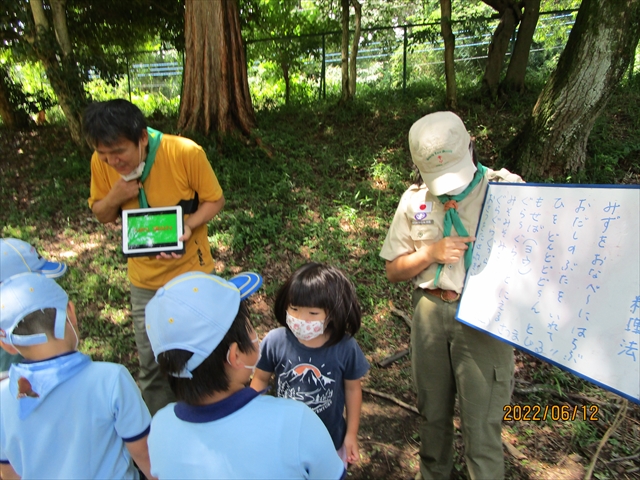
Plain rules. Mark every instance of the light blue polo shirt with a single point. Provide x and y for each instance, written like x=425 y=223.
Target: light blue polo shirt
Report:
x=245 y=436
x=78 y=429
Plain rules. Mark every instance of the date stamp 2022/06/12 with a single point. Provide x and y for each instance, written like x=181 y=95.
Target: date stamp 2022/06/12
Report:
x=541 y=413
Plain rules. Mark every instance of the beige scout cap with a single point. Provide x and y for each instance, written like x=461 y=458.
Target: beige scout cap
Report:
x=439 y=144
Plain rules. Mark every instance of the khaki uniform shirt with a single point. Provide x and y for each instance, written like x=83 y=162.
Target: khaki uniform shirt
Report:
x=419 y=221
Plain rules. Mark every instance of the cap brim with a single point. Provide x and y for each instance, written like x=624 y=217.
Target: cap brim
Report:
x=247 y=282
x=451 y=178
x=52 y=269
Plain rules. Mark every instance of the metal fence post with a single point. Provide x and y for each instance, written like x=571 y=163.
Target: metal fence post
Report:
x=323 y=80
x=404 y=61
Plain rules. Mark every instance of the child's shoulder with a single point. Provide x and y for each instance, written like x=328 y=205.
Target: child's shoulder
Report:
x=277 y=334
x=109 y=376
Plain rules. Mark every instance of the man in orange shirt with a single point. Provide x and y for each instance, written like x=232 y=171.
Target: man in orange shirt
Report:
x=135 y=166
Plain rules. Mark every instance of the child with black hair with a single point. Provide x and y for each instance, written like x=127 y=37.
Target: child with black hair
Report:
x=314 y=356
x=63 y=415
x=202 y=338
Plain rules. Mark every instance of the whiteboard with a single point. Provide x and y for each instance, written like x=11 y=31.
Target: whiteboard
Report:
x=556 y=272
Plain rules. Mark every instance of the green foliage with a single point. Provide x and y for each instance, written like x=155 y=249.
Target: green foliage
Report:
x=27 y=90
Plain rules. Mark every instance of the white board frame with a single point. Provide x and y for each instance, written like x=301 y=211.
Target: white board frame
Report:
x=591 y=328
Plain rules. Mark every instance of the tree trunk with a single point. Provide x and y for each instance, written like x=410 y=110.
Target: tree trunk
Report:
x=353 y=73
x=449 y=48
x=514 y=80
x=216 y=90
x=287 y=86
x=12 y=117
x=498 y=48
x=62 y=70
x=60 y=26
x=345 y=51
x=554 y=139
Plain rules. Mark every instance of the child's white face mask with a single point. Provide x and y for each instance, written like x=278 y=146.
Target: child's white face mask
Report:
x=304 y=330
x=251 y=367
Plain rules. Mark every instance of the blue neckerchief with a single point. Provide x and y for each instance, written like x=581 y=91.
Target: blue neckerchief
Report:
x=452 y=219
x=154 y=142
x=32 y=382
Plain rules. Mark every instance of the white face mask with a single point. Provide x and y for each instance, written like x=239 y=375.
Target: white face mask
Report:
x=458 y=190
x=75 y=333
x=137 y=172
x=250 y=367
x=304 y=330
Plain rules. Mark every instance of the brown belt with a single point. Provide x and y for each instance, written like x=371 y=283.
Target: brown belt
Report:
x=448 y=296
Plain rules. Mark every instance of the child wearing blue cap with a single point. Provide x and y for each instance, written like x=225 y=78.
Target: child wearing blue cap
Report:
x=17 y=256
x=202 y=338
x=63 y=416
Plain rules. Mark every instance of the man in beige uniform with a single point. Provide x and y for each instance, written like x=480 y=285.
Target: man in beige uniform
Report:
x=429 y=242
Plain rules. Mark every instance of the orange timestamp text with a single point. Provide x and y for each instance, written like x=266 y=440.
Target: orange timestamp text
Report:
x=541 y=413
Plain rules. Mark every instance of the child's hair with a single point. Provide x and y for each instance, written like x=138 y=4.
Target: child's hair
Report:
x=39 y=321
x=315 y=285
x=108 y=122
x=210 y=376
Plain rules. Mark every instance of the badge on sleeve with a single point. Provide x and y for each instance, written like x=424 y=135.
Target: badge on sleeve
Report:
x=421 y=212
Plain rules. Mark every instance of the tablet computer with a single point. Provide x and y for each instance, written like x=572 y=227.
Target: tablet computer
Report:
x=150 y=231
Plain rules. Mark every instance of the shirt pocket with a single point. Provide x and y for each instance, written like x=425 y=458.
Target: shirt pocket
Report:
x=424 y=233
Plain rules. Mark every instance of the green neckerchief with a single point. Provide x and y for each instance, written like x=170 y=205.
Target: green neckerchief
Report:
x=154 y=142
x=451 y=218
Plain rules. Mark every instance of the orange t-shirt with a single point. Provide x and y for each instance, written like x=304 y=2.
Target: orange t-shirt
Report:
x=180 y=170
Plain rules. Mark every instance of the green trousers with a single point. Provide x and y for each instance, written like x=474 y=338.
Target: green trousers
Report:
x=153 y=385
x=449 y=357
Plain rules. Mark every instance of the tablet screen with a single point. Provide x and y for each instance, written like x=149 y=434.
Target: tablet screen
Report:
x=152 y=230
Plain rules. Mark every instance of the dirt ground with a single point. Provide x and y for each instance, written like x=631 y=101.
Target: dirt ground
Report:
x=389 y=440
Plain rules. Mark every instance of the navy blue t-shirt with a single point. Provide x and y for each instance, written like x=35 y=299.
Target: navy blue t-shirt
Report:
x=314 y=376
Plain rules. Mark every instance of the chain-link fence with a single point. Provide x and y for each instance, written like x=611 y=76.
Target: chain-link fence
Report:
x=388 y=57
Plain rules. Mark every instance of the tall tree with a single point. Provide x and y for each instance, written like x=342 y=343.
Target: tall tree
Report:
x=449 y=48
x=349 y=63
x=509 y=12
x=553 y=142
x=53 y=49
x=216 y=90
x=514 y=80
x=75 y=38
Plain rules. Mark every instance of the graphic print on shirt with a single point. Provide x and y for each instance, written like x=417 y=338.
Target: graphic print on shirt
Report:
x=306 y=383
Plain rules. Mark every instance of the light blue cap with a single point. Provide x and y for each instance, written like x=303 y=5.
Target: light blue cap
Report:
x=194 y=311
x=23 y=294
x=17 y=256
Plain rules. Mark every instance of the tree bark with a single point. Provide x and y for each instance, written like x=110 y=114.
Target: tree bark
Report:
x=62 y=70
x=509 y=18
x=353 y=73
x=60 y=26
x=345 y=51
x=216 y=89
x=12 y=117
x=449 y=48
x=554 y=139
x=514 y=80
